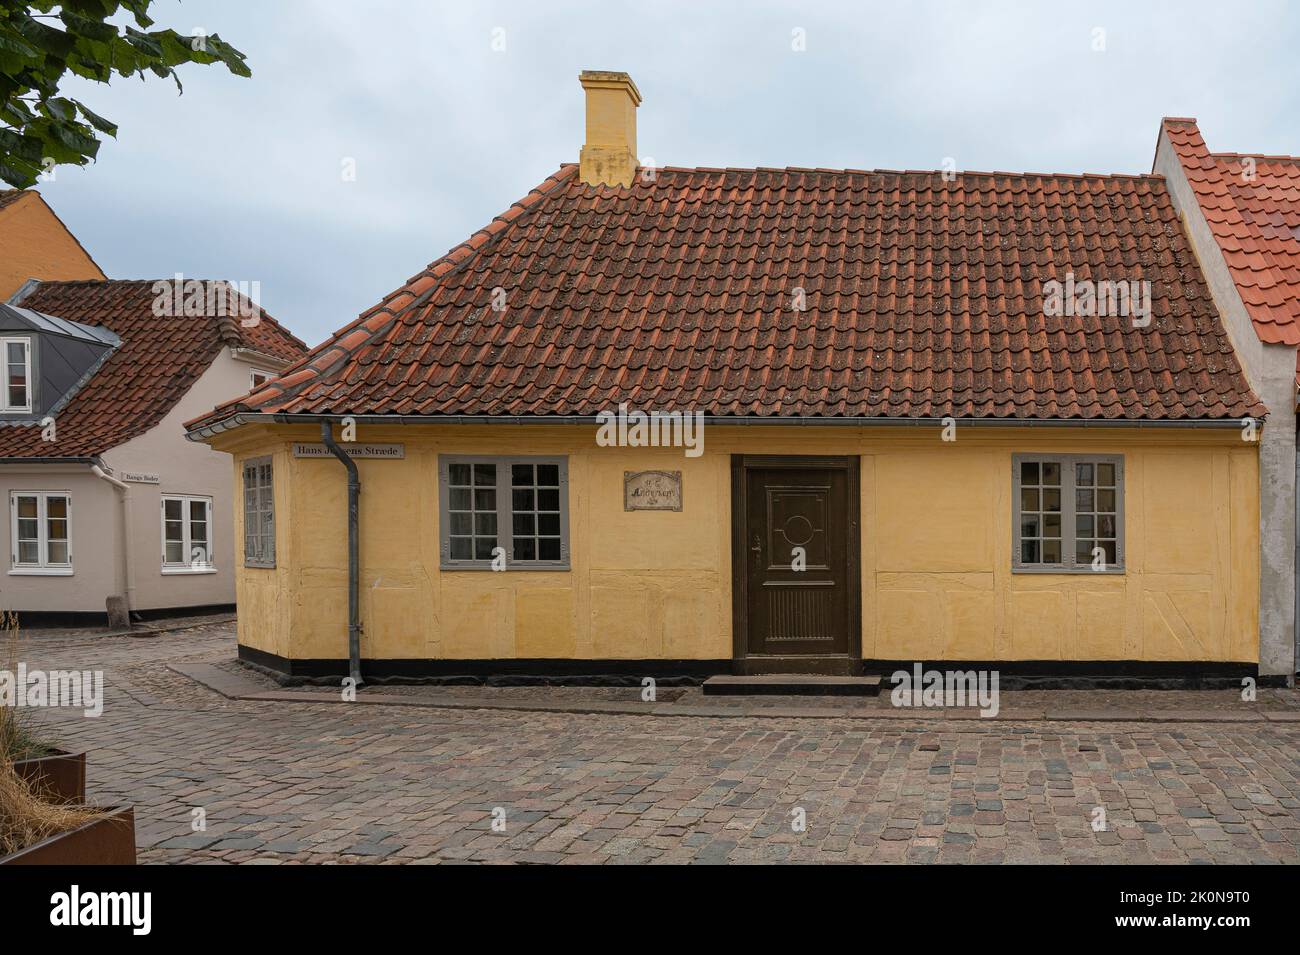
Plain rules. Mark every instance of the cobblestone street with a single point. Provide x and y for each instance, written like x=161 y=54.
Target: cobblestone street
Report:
x=305 y=781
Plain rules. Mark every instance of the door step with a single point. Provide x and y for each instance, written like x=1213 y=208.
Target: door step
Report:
x=791 y=684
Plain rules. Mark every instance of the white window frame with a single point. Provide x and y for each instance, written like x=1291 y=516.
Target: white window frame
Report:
x=1069 y=514
x=43 y=567
x=252 y=376
x=26 y=342
x=504 y=510
x=265 y=561
x=187 y=544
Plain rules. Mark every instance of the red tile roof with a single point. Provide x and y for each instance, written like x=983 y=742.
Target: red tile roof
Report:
x=923 y=299
x=158 y=361
x=1252 y=205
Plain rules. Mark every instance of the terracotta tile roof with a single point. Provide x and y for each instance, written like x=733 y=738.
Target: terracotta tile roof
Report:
x=158 y=361
x=923 y=299
x=1252 y=205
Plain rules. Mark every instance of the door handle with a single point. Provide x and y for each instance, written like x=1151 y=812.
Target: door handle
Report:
x=757 y=548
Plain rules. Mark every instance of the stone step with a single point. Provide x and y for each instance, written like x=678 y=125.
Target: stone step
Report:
x=791 y=684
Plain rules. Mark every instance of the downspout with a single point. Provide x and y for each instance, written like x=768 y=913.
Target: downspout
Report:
x=354 y=610
x=127 y=528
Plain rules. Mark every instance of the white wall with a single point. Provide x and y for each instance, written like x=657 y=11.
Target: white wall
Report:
x=183 y=467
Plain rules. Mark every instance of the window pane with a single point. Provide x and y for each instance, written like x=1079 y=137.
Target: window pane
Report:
x=524 y=525
x=459 y=499
x=1083 y=499
x=17 y=354
x=58 y=552
x=1029 y=552
x=1083 y=474
x=198 y=510
x=175 y=552
x=172 y=509
x=461 y=523
x=198 y=553
x=172 y=531
x=1052 y=499
x=1029 y=526
x=483 y=547
x=459 y=474
x=525 y=548
x=548 y=475
x=485 y=499
x=28 y=528
x=462 y=548
x=56 y=507
x=1106 y=525
x=548 y=499
x=1083 y=525
x=1028 y=472
x=27 y=552
x=1083 y=553
x=1052 y=525
x=549 y=548
x=198 y=532
x=548 y=524
x=485 y=524
x=1106 y=501
x=485 y=475
x=1052 y=473
x=1028 y=499
x=521 y=475
x=1051 y=552
x=1106 y=474
x=1110 y=550
x=523 y=500
x=27 y=507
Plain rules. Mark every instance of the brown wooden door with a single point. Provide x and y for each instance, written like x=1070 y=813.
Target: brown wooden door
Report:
x=799 y=527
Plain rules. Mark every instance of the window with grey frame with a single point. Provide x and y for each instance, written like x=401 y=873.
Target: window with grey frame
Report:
x=259 y=513
x=517 y=504
x=1068 y=513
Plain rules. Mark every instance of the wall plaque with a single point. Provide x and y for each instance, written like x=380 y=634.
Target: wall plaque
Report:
x=652 y=490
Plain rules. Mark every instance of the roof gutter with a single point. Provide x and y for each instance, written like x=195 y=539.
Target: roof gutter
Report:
x=257 y=417
x=354 y=611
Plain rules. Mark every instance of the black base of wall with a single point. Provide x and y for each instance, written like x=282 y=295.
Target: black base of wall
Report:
x=540 y=672
x=1095 y=674
x=1012 y=675
x=36 y=619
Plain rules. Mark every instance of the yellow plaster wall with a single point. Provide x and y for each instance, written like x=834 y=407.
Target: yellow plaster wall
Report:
x=936 y=551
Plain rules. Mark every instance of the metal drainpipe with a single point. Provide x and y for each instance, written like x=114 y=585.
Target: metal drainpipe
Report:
x=128 y=576
x=354 y=494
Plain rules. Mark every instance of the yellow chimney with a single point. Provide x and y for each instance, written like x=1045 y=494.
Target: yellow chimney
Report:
x=609 y=155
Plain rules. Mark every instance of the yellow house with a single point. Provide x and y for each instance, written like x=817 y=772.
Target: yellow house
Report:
x=35 y=244
x=668 y=421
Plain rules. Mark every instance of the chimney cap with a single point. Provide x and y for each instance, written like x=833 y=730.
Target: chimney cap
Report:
x=610 y=79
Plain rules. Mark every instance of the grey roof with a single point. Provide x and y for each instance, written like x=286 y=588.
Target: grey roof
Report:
x=12 y=316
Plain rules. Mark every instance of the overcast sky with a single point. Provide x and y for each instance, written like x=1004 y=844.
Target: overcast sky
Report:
x=241 y=178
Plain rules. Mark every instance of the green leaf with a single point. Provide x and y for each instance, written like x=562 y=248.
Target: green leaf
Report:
x=99 y=122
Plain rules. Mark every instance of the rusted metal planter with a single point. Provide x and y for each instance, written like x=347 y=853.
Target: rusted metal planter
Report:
x=59 y=777
x=107 y=839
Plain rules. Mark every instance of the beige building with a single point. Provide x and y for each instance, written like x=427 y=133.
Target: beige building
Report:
x=34 y=243
x=105 y=496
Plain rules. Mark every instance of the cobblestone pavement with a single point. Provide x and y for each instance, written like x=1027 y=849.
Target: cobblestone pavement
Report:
x=331 y=782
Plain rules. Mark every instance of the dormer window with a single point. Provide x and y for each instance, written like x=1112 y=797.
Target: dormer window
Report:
x=17 y=353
